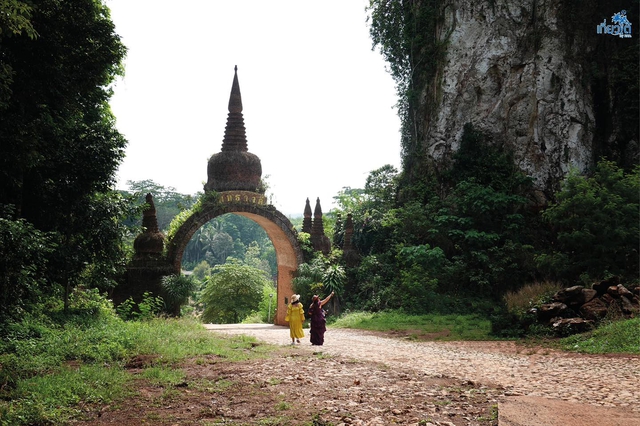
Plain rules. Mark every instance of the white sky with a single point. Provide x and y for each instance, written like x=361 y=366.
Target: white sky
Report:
x=318 y=102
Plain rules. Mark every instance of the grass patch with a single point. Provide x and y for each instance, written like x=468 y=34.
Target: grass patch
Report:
x=283 y=406
x=615 y=337
x=435 y=326
x=53 y=366
x=163 y=376
x=55 y=398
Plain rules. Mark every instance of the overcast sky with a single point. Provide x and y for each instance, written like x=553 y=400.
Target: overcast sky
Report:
x=318 y=102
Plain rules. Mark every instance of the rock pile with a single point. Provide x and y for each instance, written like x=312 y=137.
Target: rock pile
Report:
x=577 y=309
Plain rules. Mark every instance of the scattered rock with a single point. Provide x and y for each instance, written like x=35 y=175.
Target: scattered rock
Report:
x=594 y=310
x=573 y=325
x=576 y=309
x=602 y=286
x=551 y=310
x=570 y=296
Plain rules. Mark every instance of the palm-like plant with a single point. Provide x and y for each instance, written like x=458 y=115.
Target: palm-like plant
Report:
x=333 y=279
x=177 y=289
x=308 y=280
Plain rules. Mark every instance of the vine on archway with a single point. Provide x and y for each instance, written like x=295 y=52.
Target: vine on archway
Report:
x=208 y=197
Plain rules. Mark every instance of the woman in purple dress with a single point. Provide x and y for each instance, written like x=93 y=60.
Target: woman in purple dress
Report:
x=318 y=322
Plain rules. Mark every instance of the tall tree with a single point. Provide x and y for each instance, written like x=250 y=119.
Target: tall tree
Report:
x=15 y=21
x=60 y=148
x=167 y=201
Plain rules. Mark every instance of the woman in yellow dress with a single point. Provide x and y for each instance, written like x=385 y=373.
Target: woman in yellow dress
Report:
x=295 y=317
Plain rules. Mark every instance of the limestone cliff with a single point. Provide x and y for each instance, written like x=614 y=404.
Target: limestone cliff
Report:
x=536 y=77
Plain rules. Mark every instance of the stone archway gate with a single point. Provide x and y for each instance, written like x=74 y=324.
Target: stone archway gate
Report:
x=253 y=206
x=234 y=176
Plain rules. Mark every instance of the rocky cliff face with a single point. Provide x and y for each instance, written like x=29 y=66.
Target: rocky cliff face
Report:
x=515 y=70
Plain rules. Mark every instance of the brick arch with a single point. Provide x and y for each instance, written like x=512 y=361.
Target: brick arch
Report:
x=253 y=206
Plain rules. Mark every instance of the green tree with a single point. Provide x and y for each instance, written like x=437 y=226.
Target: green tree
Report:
x=60 y=148
x=596 y=221
x=368 y=207
x=202 y=270
x=418 y=283
x=230 y=235
x=381 y=188
x=232 y=292
x=23 y=264
x=15 y=21
x=177 y=289
x=408 y=37
x=221 y=247
x=253 y=257
x=479 y=219
x=167 y=201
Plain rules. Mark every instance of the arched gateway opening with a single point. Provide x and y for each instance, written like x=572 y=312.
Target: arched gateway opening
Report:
x=234 y=178
x=251 y=205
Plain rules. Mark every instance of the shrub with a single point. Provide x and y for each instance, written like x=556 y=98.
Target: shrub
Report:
x=177 y=290
x=232 y=293
x=150 y=307
x=531 y=295
x=596 y=219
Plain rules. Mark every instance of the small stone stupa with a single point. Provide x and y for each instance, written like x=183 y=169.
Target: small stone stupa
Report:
x=150 y=243
x=234 y=168
x=148 y=266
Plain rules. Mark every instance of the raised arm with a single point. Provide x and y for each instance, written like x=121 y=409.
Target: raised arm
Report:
x=322 y=302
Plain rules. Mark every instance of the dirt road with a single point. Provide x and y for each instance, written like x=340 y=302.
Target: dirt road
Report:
x=538 y=386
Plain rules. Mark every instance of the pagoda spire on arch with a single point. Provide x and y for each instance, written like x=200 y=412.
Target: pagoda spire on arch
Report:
x=234 y=168
x=319 y=240
x=306 y=220
x=235 y=135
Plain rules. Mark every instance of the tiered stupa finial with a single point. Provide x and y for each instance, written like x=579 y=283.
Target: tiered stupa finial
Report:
x=150 y=243
x=318 y=225
x=234 y=168
x=306 y=220
x=319 y=241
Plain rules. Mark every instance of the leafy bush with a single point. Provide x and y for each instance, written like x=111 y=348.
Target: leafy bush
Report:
x=23 y=264
x=266 y=308
x=232 y=292
x=202 y=270
x=150 y=307
x=596 y=219
x=176 y=291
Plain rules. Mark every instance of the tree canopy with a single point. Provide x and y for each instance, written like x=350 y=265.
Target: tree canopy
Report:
x=232 y=292
x=60 y=147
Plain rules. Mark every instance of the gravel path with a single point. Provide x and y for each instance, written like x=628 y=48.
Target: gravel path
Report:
x=597 y=380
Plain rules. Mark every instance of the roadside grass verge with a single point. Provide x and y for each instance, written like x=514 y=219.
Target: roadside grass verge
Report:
x=51 y=369
x=621 y=337
x=433 y=326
